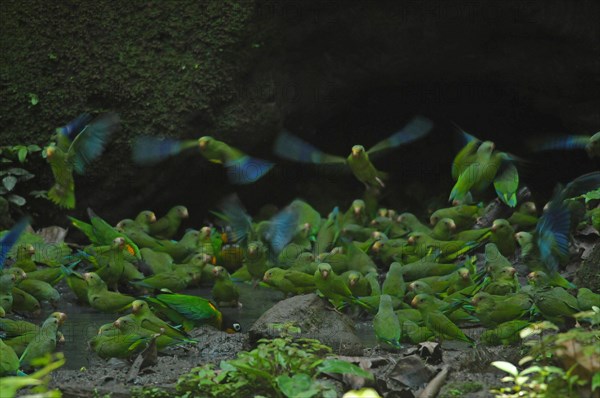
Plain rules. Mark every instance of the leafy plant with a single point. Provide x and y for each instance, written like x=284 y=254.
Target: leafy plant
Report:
x=13 y=174
x=561 y=364
x=281 y=367
x=37 y=382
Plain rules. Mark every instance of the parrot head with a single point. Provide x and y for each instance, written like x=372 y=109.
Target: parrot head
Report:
x=50 y=151
x=479 y=297
x=203 y=142
x=523 y=238
x=415 y=238
x=486 y=147
x=149 y=216
x=182 y=211
x=61 y=316
x=118 y=242
x=18 y=273
x=324 y=270
x=124 y=224
x=358 y=206
x=358 y=150
x=26 y=250
x=353 y=278
x=500 y=225
x=138 y=305
x=464 y=273
x=420 y=300
x=529 y=208
x=377 y=246
x=508 y=272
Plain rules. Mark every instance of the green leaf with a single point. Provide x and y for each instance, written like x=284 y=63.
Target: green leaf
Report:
x=595 y=381
x=17 y=171
x=33 y=148
x=16 y=199
x=343 y=367
x=293 y=387
x=507 y=367
x=592 y=195
x=33 y=98
x=9 y=182
x=22 y=155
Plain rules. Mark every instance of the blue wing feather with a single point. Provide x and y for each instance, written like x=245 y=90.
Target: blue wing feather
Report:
x=9 y=240
x=74 y=127
x=239 y=220
x=289 y=146
x=90 y=143
x=148 y=150
x=552 y=233
x=247 y=169
x=417 y=128
x=567 y=142
x=282 y=229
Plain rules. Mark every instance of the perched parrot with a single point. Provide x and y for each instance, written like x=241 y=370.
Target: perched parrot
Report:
x=224 y=290
x=291 y=147
x=256 y=260
x=175 y=281
x=586 y=299
x=241 y=168
x=358 y=285
x=333 y=287
x=478 y=165
x=9 y=361
x=555 y=304
x=502 y=282
x=145 y=219
x=386 y=323
x=24 y=258
x=590 y=143
x=525 y=217
x=411 y=222
x=506 y=333
x=77 y=144
x=444 y=229
x=41 y=290
x=289 y=281
x=464 y=216
x=436 y=321
x=100 y=298
x=166 y=227
x=45 y=340
x=394 y=284
x=356 y=214
x=494 y=310
x=145 y=318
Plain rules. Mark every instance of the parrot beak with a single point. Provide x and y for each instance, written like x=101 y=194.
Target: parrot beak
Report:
x=202 y=144
x=152 y=218
x=355 y=152
x=352 y=282
x=414 y=302
x=265 y=278
x=62 y=317
x=433 y=220
x=31 y=250
x=324 y=274
x=513 y=271
x=185 y=213
x=411 y=240
x=87 y=276
x=357 y=210
x=377 y=246
x=494 y=227
x=532 y=276
x=452 y=226
x=117 y=324
x=135 y=308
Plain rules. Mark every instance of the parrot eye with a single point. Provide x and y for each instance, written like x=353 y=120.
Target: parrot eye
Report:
x=237 y=327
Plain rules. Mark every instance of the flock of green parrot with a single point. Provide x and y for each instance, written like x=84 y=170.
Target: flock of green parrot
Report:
x=417 y=280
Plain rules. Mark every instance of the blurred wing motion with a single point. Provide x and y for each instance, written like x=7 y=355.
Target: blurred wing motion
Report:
x=232 y=211
x=246 y=169
x=282 y=229
x=567 y=142
x=90 y=143
x=9 y=240
x=148 y=150
x=75 y=126
x=506 y=183
x=417 y=128
x=289 y=146
x=552 y=234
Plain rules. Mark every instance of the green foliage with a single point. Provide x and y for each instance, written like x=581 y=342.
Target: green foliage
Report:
x=560 y=364
x=458 y=389
x=281 y=367
x=36 y=383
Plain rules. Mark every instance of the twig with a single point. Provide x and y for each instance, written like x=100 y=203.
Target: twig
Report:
x=435 y=385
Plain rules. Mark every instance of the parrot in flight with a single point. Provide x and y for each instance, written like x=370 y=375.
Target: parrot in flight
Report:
x=77 y=144
x=591 y=144
x=478 y=165
x=241 y=168
x=291 y=147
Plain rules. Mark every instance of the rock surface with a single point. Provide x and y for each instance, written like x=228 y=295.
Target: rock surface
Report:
x=315 y=319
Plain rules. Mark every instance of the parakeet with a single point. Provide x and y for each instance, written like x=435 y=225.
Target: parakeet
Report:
x=289 y=281
x=166 y=227
x=443 y=229
x=77 y=144
x=506 y=333
x=525 y=217
x=586 y=299
x=291 y=147
x=436 y=321
x=9 y=361
x=494 y=310
x=568 y=142
x=44 y=341
x=145 y=318
x=24 y=258
x=256 y=260
x=386 y=323
x=100 y=298
x=478 y=165
x=144 y=219
x=394 y=284
x=411 y=222
x=333 y=286
x=224 y=290
x=464 y=216
x=241 y=168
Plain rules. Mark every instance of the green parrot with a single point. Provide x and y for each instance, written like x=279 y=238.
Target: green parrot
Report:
x=100 y=298
x=289 y=281
x=175 y=281
x=424 y=268
x=415 y=334
x=503 y=282
x=44 y=341
x=145 y=318
x=494 y=260
x=555 y=304
x=118 y=345
x=329 y=232
x=189 y=311
x=478 y=165
x=41 y=290
x=9 y=361
x=13 y=328
x=77 y=144
x=158 y=262
x=412 y=223
x=386 y=323
x=50 y=275
x=394 y=284
x=586 y=299
x=494 y=310
x=436 y=321
x=166 y=227
x=425 y=245
x=256 y=260
x=501 y=233
x=145 y=219
x=110 y=262
x=224 y=290
x=590 y=143
x=358 y=285
x=506 y=333
x=241 y=168
x=99 y=232
x=333 y=287
x=24 y=258
x=525 y=217
x=181 y=250
x=464 y=216
x=7 y=283
x=76 y=283
x=443 y=229
x=25 y=302
x=291 y=147
x=356 y=214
